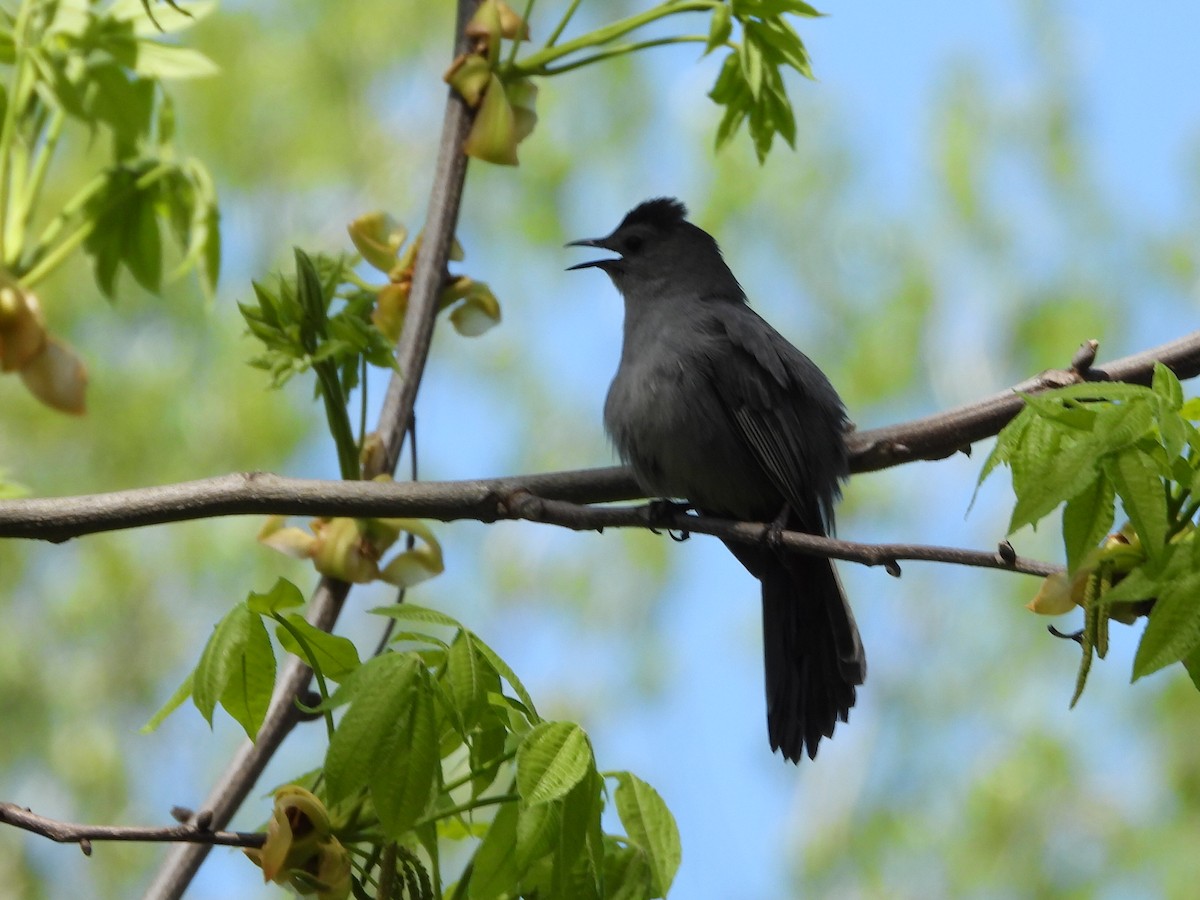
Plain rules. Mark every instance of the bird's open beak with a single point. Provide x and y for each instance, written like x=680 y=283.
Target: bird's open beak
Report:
x=602 y=243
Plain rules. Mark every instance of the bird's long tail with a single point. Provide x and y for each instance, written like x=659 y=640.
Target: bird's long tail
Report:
x=814 y=655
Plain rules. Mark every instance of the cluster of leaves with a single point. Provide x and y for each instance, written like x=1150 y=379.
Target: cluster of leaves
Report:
x=429 y=739
x=104 y=68
x=750 y=85
x=1084 y=447
x=293 y=318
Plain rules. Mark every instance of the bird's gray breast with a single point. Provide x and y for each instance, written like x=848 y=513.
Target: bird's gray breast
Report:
x=669 y=425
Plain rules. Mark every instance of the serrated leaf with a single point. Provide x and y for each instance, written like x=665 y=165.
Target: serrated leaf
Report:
x=220 y=658
x=336 y=656
x=402 y=783
x=1173 y=631
x=1042 y=484
x=252 y=680
x=411 y=612
x=1191 y=409
x=1086 y=519
x=505 y=671
x=1007 y=442
x=383 y=691
x=1144 y=498
x=496 y=873
x=282 y=595
x=1137 y=584
x=578 y=864
x=1167 y=386
x=1117 y=426
x=650 y=825
x=627 y=874
x=551 y=760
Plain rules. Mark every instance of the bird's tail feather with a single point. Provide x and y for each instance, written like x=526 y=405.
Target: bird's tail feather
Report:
x=814 y=655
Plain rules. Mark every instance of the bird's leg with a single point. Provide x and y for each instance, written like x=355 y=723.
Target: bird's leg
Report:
x=660 y=512
x=773 y=537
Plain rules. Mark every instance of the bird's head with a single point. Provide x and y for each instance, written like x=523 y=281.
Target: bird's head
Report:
x=658 y=248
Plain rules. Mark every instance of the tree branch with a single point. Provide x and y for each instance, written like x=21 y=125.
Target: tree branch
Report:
x=411 y=353
x=71 y=833
x=62 y=518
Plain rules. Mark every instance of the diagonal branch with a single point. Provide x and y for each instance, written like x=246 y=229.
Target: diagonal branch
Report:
x=239 y=777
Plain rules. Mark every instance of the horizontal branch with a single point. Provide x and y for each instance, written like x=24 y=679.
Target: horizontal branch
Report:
x=71 y=833
x=63 y=518
x=592 y=518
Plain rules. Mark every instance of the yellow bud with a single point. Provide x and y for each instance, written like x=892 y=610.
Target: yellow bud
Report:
x=469 y=75
x=378 y=237
x=493 y=136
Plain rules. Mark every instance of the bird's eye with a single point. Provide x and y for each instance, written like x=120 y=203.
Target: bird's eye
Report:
x=633 y=244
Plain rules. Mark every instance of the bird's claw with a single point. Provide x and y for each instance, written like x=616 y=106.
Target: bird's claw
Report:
x=659 y=514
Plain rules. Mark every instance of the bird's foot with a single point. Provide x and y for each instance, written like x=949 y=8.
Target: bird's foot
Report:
x=773 y=536
x=661 y=512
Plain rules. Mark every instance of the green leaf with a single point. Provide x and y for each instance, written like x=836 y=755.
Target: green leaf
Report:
x=411 y=612
x=1043 y=481
x=1007 y=443
x=167 y=61
x=382 y=693
x=1191 y=409
x=1086 y=520
x=168 y=19
x=578 y=862
x=1191 y=662
x=1173 y=632
x=750 y=57
x=720 y=28
x=470 y=677
x=496 y=872
x=627 y=874
x=1167 y=386
x=337 y=656
x=1118 y=426
x=402 y=783
x=649 y=825
x=176 y=700
x=248 y=692
x=551 y=760
x=539 y=826
x=510 y=676
x=1144 y=497
x=283 y=594
x=221 y=658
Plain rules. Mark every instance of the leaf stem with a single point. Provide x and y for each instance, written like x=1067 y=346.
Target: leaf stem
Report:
x=311 y=659
x=516 y=43
x=13 y=108
x=621 y=50
x=536 y=63
x=467 y=807
x=562 y=24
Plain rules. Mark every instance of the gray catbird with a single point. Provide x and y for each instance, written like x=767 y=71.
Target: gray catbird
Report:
x=712 y=405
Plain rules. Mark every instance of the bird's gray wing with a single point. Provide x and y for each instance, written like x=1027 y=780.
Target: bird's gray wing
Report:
x=785 y=410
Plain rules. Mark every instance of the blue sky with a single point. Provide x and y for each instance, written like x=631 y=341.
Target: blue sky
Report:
x=696 y=731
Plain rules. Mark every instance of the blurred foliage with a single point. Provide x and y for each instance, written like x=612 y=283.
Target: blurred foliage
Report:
x=960 y=775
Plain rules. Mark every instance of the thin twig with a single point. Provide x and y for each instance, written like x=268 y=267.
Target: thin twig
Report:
x=71 y=833
x=240 y=775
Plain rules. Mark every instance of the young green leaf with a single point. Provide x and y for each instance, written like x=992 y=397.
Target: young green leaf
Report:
x=336 y=656
x=1086 y=520
x=382 y=693
x=551 y=760
x=283 y=594
x=496 y=872
x=236 y=669
x=1144 y=497
x=650 y=826
x=1173 y=632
